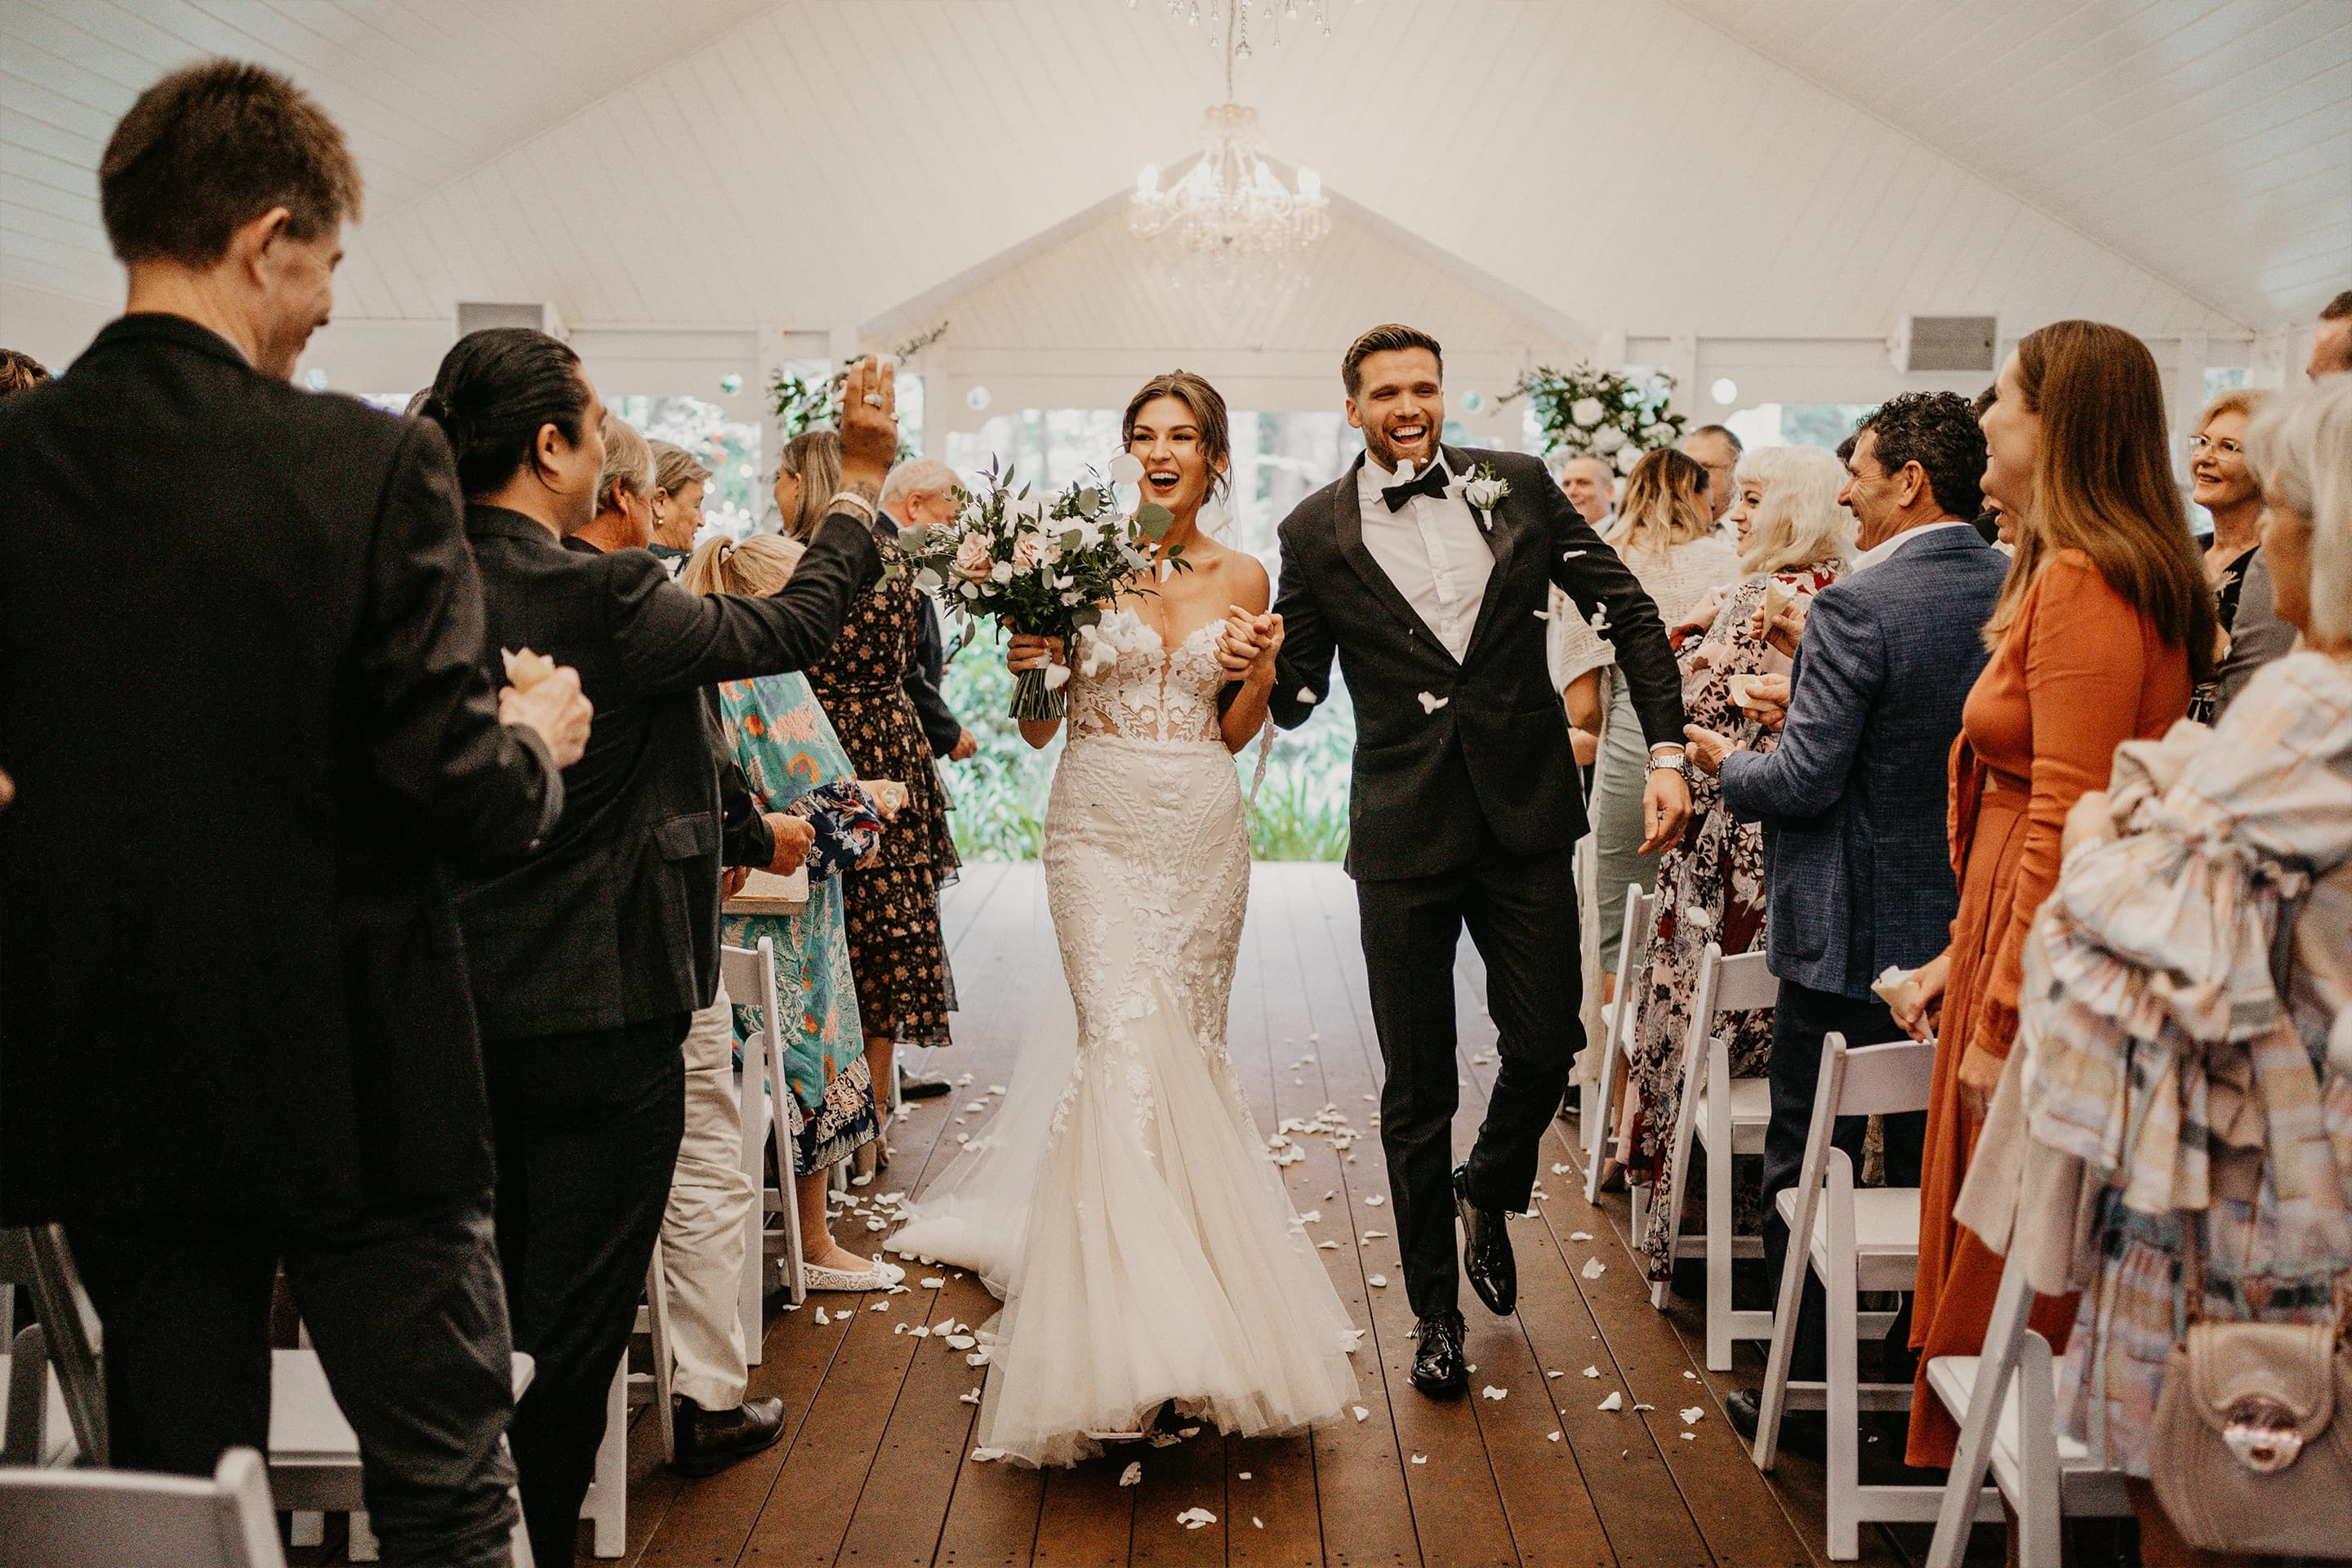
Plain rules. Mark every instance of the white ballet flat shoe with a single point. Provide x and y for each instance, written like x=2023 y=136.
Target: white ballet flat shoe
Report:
x=880 y=1276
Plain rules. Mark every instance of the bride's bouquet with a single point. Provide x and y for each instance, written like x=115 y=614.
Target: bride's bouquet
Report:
x=1042 y=566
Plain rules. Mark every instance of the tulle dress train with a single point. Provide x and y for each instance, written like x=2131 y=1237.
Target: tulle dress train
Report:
x=1121 y=1202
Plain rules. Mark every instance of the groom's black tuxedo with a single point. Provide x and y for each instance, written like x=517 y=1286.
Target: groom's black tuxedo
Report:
x=1496 y=755
x=1465 y=806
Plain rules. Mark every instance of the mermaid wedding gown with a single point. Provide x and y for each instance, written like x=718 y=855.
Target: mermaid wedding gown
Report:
x=1121 y=1201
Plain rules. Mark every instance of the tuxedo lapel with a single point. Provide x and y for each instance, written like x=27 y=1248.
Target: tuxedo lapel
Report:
x=1501 y=537
x=1347 y=531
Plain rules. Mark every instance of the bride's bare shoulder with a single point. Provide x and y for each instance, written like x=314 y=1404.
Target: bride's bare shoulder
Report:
x=1237 y=573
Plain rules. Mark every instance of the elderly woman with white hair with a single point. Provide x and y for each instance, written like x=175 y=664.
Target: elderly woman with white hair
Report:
x=1794 y=537
x=2168 y=1135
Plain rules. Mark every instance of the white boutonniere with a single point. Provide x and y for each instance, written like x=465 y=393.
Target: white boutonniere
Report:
x=1485 y=490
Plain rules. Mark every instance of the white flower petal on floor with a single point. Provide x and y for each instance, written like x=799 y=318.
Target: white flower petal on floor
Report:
x=1614 y=1401
x=1592 y=1372
x=821 y=1317
x=1695 y=1414
x=1420 y=1458
x=1549 y=1374
x=1132 y=1474
x=1491 y=1392
x=1378 y=1280
x=879 y=1306
x=971 y=1397
x=1374 y=1235
x=933 y=1282
x=1579 y=1236
x=1560 y=1170
x=1593 y=1269
x=1690 y=1436
x=1196 y=1517
x=960 y=1342
x=1257 y=1522
x=1374 y=1200
x=1360 y=1413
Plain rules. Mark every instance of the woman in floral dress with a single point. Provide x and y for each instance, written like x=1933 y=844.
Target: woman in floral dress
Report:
x=778 y=735
x=896 y=950
x=1711 y=885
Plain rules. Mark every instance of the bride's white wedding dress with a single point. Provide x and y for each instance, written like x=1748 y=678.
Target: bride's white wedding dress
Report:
x=1121 y=1201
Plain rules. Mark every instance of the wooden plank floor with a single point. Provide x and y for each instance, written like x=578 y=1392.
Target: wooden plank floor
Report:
x=874 y=1473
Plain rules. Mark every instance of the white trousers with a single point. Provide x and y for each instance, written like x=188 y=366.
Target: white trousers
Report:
x=703 y=1232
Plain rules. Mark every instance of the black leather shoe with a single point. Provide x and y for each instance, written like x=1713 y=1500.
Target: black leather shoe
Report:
x=913 y=1088
x=1802 y=1432
x=1486 y=1246
x=1437 y=1365
x=707 y=1441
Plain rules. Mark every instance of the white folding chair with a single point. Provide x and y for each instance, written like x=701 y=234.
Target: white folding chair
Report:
x=1620 y=1021
x=314 y=1455
x=1855 y=1239
x=121 y=1518
x=38 y=1261
x=2006 y=1401
x=40 y=1429
x=1728 y=1117
x=751 y=973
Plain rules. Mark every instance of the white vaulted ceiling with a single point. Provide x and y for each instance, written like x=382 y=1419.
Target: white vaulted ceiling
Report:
x=1781 y=168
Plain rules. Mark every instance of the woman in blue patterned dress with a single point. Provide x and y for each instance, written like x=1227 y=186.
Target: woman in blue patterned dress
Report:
x=786 y=747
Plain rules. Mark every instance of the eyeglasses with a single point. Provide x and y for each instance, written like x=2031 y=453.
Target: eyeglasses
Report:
x=2200 y=445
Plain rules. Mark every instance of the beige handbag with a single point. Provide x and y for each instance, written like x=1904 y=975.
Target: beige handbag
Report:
x=2248 y=1453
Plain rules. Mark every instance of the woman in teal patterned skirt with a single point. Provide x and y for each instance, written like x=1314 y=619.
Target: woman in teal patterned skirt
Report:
x=780 y=737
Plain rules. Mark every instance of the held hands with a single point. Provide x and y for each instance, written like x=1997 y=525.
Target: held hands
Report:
x=794 y=837
x=1786 y=626
x=1916 y=1010
x=869 y=431
x=1665 y=809
x=1029 y=651
x=1249 y=645
x=551 y=702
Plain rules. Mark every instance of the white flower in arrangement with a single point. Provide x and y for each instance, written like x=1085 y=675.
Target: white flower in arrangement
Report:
x=1607 y=440
x=1657 y=435
x=1001 y=572
x=1627 y=456
x=971 y=556
x=1587 y=412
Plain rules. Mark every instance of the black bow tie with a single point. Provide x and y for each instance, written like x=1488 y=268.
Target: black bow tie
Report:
x=1432 y=483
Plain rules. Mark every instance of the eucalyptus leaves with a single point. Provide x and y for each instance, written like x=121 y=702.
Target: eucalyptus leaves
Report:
x=1601 y=413
x=1048 y=566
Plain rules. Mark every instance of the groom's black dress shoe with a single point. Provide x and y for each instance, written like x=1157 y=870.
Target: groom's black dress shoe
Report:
x=707 y=1441
x=1437 y=1365
x=1494 y=1272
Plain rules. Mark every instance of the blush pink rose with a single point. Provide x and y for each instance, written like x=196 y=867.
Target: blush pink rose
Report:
x=972 y=558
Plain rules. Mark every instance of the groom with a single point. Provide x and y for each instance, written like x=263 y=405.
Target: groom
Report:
x=1427 y=569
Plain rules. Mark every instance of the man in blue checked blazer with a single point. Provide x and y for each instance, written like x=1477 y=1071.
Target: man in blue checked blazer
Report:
x=1857 y=873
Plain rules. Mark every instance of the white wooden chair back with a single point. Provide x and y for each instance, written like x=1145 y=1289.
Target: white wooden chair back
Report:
x=38 y=1261
x=1735 y=984
x=748 y=977
x=1620 y=1023
x=1855 y=1244
x=2006 y=1405
x=119 y=1519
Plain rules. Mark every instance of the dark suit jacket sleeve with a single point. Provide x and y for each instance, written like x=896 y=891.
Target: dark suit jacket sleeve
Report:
x=672 y=640
x=925 y=667
x=1842 y=665
x=483 y=792
x=1302 y=672
x=1592 y=576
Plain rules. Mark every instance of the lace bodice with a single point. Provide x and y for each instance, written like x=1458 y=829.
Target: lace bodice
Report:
x=1124 y=683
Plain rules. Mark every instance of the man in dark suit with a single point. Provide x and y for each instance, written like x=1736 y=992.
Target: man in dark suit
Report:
x=1426 y=570
x=241 y=689
x=589 y=960
x=1857 y=872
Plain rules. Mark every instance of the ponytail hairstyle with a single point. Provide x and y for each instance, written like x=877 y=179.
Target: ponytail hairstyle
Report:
x=755 y=566
x=497 y=389
x=2103 y=485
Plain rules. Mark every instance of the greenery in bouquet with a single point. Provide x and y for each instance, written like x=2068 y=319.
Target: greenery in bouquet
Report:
x=1044 y=565
x=1600 y=414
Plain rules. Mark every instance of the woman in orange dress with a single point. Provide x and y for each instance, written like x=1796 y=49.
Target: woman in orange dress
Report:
x=2104 y=626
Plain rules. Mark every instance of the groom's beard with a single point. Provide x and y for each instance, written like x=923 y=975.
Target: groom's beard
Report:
x=1390 y=453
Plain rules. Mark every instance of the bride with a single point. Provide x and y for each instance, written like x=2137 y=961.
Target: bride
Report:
x=1121 y=1202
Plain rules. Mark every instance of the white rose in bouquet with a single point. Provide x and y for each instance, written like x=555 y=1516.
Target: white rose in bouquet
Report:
x=1001 y=572
x=971 y=557
x=1587 y=412
x=1607 y=440
x=1627 y=456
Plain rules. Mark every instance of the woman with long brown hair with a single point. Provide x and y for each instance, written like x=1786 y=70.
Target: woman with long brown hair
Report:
x=1665 y=533
x=2103 y=627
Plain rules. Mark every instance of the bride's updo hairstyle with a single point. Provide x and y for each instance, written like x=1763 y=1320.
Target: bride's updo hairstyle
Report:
x=494 y=392
x=1208 y=408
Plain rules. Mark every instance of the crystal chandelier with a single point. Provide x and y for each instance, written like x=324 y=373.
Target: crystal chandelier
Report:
x=1230 y=220
x=1233 y=18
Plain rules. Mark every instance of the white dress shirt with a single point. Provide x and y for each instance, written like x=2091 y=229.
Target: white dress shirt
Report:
x=1886 y=547
x=1431 y=550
